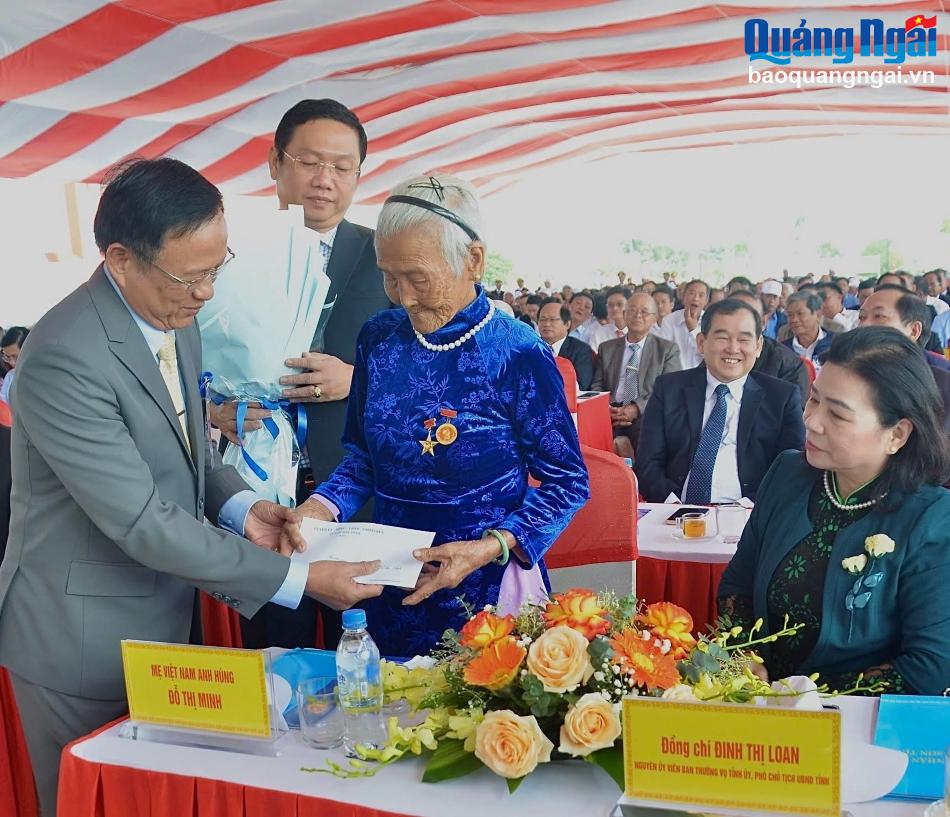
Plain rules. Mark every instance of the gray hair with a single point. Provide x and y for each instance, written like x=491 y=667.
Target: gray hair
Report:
x=810 y=299
x=455 y=195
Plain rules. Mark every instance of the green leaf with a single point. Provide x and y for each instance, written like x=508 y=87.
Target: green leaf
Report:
x=599 y=651
x=542 y=704
x=513 y=783
x=611 y=761
x=450 y=760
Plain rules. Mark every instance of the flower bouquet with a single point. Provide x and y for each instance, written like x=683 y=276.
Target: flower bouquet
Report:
x=510 y=692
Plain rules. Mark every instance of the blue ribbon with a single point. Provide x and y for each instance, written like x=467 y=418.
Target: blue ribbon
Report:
x=204 y=381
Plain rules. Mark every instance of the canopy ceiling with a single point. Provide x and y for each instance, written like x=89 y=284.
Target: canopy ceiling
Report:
x=488 y=89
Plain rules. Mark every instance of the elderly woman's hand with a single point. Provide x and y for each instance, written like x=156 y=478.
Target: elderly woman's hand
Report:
x=455 y=561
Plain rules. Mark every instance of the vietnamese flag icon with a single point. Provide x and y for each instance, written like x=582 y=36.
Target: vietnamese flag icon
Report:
x=919 y=20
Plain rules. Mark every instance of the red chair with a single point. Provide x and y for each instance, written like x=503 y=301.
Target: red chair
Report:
x=566 y=368
x=6 y=414
x=599 y=548
x=810 y=367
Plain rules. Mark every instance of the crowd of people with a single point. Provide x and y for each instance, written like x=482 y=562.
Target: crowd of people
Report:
x=430 y=401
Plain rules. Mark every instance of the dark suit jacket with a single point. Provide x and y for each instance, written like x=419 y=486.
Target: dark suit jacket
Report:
x=943 y=386
x=357 y=285
x=781 y=362
x=770 y=421
x=581 y=357
x=4 y=487
x=658 y=357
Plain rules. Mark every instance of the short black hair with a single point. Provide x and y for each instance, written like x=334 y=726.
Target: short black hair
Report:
x=826 y=285
x=729 y=306
x=742 y=281
x=564 y=311
x=15 y=335
x=867 y=283
x=898 y=378
x=663 y=289
x=891 y=275
x=617 y=291
x=307 y=110
x=148 y=201
x=911 y=308
x=587 y=295
x=600 y=308
x=534 y=300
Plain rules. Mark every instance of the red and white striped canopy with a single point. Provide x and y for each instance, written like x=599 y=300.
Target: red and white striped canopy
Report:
x=488 y=89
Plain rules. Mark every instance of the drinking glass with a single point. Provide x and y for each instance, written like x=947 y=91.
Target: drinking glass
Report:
x=693 y=525
x=321 y=719
x=731 y=519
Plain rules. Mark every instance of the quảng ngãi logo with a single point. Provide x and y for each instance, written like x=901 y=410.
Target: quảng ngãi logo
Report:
x=779 y=45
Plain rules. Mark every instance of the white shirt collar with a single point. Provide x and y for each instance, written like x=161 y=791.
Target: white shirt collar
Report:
x=556 y=346
x=736 y=387
x=154 y=338
x=328 y=237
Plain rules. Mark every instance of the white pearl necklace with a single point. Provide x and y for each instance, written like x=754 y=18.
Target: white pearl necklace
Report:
x=841 y=506
x=444 y=347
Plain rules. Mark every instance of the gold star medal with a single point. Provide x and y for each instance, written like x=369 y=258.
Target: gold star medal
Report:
x=447 y=433
x=428 y=444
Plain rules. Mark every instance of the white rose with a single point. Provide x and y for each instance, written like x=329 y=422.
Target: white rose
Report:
x=682 y=693
x=879 y=545
x=855 y=564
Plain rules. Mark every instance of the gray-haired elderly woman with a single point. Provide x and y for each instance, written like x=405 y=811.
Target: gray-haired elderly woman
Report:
x=452 y=406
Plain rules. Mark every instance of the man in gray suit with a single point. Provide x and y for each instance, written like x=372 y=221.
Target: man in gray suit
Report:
x=113 y=474
x=627 y=367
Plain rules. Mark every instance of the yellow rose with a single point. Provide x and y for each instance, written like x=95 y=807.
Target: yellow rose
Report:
x=879 y=545
x=589 y=725
x=559 y=659
x=680 y=692
x=511 y=745
x=855 y=564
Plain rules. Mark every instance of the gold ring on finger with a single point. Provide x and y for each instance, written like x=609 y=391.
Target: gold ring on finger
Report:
x=317 y=391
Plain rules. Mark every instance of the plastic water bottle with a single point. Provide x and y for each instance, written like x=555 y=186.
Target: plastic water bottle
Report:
x=360 y=686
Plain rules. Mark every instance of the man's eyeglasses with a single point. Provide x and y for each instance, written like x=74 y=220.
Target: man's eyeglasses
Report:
x=210 y=275
x=639 y=313
x=312 y=167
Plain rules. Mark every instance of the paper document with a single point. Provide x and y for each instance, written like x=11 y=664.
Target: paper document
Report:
x=366 y=542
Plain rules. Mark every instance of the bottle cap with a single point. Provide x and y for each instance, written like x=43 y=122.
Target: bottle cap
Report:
x=354 y=619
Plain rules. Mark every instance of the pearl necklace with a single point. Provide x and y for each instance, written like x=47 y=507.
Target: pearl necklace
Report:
x=841 y=506
x=444 y=347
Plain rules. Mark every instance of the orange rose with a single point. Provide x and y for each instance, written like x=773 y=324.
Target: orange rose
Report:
x=643 y=662
x=579 y=610
x=666 y=620
x=485 y=629
x=560 y=660
x=495 y=666
x=511 y=745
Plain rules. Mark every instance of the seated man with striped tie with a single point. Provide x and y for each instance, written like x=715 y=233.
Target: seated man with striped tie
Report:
x=628 y=367
x=709 y=434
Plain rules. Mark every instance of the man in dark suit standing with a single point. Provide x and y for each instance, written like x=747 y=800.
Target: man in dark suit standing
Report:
x=711 y=433
x=554 y=321
x=319 y=147
x=628 y=367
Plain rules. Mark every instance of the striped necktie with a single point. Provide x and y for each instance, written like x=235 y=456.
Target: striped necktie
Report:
x=168 y=366
x=631 y=376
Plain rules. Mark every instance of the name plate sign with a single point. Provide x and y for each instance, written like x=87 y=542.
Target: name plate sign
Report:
x=731 y=757
x=203 y=688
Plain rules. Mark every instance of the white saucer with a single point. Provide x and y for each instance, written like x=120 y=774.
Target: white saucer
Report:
x=938 y=809
x=678 y=535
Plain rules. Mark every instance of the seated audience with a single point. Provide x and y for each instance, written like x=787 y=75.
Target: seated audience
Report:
x=865 y=288
x=776 y=359
x=849 y=288
x=554 y=320
x=530 y=310
x=835 y=318
x=10 y=346
x=805 y=335
x=874 y=462
x=616 y=326
x=682 y=326
x=710 y=434
x=773 y=316
x=628 y=367
x=664 y=299
x=583 y=321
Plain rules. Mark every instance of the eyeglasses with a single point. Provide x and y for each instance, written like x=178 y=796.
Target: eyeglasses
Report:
x=210 y=275
x=639 y=313
x=311 y=168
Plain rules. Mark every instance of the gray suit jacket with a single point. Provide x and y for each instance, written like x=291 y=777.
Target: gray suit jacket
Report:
x=657 y=357
x=107 y=539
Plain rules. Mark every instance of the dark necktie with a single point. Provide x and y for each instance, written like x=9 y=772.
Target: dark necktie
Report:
x=631 y=384
x=704 y=460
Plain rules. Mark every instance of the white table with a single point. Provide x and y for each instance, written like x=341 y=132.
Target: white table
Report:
x=572 y=789
x=655 y=539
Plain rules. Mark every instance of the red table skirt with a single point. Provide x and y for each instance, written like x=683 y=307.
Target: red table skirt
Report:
x=17 y=792
x=593 y=423
x=691 y=585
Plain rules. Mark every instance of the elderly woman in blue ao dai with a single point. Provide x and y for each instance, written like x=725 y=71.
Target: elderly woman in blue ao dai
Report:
x=453 y=405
